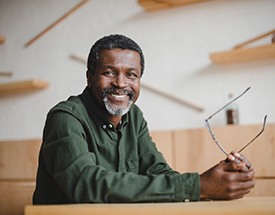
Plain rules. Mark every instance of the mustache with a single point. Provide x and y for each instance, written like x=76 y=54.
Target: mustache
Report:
x=113 y=90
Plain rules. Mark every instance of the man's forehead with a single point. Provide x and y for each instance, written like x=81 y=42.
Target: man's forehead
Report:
x=119 y=54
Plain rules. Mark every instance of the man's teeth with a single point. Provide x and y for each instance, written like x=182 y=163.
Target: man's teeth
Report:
x=118 y=96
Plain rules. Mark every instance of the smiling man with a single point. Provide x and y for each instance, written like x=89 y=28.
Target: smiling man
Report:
x=116 y=82
x=97 y=148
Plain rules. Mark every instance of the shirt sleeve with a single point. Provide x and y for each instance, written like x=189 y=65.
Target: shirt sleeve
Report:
x=75 y=170
x=186 y=186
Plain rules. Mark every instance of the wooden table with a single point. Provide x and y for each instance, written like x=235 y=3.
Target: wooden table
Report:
x=248 y=206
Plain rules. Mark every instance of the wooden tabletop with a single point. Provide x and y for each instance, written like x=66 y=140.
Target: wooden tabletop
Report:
x=248 y=206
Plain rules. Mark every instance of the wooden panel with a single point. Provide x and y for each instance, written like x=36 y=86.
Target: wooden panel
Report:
x=263 y=187
x=14 y=196
x=251 y=206
x=245 y=54
x=164 y=142
x=196 y=151
x=19 y=159
x=22 y=87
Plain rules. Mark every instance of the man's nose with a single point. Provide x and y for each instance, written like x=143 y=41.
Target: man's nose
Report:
x=121 y=81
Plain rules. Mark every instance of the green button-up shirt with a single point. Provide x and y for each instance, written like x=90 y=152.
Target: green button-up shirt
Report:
x=85 y=159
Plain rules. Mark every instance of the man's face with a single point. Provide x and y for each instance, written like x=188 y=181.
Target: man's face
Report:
x=116 y=82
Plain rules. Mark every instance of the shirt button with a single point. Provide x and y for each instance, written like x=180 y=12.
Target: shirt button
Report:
x=110 y=125
x=104 y=126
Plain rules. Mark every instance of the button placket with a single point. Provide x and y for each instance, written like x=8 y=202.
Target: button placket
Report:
x=121 y=163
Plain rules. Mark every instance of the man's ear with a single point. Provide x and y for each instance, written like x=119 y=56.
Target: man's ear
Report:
x=89 y=78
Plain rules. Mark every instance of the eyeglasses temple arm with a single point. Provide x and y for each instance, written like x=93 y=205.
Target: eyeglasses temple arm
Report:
x=228 y=104
x=255 y=136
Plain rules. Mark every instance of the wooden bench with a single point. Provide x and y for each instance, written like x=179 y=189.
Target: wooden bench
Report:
x=18 y=166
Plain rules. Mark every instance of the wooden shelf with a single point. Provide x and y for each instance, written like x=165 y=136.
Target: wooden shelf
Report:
x=6 y=73
x=243 y=55
x=240 y=53
x=2 y=39
x=22 y=86
x=151 y=5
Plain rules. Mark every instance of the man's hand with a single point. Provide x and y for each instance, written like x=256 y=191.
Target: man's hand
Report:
x=230 y=179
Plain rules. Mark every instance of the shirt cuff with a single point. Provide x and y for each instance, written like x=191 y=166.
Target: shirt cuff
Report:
x=187 y=187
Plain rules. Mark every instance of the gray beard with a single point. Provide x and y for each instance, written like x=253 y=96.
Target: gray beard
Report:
x=115 y=110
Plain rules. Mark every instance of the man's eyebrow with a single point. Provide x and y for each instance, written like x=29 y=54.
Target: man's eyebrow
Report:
x=109 y=66
x=128 y=68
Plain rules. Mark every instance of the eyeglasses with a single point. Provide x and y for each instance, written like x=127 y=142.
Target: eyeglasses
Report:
x=213 y=135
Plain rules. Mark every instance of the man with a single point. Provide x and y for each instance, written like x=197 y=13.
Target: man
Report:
x=97 y=149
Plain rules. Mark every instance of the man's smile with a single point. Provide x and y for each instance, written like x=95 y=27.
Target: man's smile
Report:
x=115 y=95
x=118 y=97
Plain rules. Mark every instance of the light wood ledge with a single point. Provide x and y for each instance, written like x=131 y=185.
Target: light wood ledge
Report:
x=22 y=86
x=2 y=39
x=251 y=206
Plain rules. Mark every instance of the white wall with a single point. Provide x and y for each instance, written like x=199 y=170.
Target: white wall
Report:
x=176 y=44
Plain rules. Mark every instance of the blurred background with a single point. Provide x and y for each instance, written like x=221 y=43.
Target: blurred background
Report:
x=177 y=42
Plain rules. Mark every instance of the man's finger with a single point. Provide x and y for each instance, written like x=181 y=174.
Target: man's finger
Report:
x=242 y=159
x=235 y=164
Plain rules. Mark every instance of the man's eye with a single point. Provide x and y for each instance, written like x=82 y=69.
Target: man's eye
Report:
x=109 y=73
x=132 y=75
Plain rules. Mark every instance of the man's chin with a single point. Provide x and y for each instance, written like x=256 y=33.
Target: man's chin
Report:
x=118 y=112
x=115 y=110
